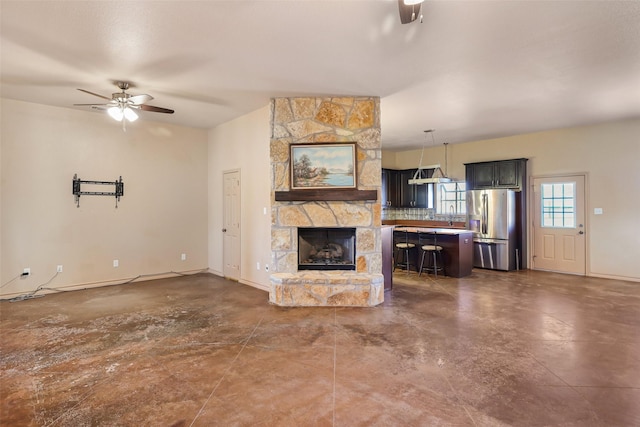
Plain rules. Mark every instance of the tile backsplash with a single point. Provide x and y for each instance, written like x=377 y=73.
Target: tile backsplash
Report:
x=419 y=214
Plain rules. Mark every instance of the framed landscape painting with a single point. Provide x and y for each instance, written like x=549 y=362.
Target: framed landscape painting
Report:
x=317 y=166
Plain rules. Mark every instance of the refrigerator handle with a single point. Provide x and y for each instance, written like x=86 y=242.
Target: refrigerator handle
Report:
x=485 y=213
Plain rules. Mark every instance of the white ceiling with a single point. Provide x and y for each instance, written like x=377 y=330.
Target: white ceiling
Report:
x=473 y=70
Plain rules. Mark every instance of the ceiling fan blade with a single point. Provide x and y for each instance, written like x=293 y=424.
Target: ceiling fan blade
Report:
x=145 y=107
x=140 y=99
x=90 y=105
x=95 y=94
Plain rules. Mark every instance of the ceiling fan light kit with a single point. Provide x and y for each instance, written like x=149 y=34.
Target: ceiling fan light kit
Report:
x=129 y=114
x=120 y=112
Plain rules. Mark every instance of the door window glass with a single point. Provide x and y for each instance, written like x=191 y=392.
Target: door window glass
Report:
x=558 y=205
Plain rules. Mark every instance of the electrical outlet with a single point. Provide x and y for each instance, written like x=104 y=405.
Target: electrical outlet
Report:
x=59 y=269
x=26 y=271
x=116 y=263
x=258 y=266
x=183 y=257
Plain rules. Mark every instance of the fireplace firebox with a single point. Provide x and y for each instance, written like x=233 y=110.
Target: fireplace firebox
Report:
x=323 y=248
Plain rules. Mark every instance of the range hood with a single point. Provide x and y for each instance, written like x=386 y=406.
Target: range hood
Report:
x=437 y=177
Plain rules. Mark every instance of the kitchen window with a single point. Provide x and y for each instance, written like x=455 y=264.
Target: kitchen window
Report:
x=452 y=198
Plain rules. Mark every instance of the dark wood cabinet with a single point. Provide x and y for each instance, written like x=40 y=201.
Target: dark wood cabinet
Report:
x=499 y=174
x=458 y=254
x=408 y=191
x=391 y=193
x=392 y=190
x=384 y=191
x=421 y=195
x=398 y=193
x=405 y=190
x=480 y=176
x=508 y=174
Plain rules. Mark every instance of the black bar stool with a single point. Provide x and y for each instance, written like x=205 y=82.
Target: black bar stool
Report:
x=429 y=246
x=402 y=254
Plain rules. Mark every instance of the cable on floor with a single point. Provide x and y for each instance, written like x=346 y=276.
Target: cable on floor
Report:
x=32 y=294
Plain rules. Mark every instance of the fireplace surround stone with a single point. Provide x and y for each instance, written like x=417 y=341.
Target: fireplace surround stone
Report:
x=323 y=120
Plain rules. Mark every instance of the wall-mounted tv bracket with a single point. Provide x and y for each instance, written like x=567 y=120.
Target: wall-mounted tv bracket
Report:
x=77 y=191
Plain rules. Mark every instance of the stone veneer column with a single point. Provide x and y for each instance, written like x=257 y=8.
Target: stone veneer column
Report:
x=322 y=120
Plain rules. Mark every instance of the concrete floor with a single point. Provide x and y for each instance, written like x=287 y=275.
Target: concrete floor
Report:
x=494 y=349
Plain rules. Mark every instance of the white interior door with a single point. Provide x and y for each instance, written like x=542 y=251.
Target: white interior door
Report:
x=231 y=225
x=559 y=232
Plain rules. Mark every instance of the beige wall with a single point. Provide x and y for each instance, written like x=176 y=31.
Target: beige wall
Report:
x=173 y=192
x=243 y=144
x=163 y=212
x=389 y=160
x=608 y=153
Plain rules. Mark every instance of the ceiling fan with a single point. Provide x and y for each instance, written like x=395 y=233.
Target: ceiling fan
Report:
x=121 y=105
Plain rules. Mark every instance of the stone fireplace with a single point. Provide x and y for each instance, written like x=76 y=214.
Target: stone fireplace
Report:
x=294 y=282
x=326 y=248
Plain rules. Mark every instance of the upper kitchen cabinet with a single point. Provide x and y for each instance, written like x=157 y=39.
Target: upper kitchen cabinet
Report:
x=389 y=194
x=407 y=191
x=497 y=174
x=398 y=193
x=393 y=191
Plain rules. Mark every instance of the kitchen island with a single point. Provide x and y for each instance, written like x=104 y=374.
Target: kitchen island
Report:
x=457 y=248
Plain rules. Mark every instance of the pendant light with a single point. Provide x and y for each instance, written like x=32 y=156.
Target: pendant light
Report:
x=438 y=176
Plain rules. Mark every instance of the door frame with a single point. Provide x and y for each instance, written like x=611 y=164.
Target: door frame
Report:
x=532 y=217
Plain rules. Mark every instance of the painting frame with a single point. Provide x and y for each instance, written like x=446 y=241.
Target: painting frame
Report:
x=323 y=166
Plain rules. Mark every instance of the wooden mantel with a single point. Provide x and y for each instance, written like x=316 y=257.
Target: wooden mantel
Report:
x=327 y=195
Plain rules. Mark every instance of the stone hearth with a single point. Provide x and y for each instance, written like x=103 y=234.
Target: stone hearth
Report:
x=327 y=289
x=326 y=120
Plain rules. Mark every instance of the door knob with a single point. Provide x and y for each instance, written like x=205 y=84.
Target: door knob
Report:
x=224 y=230
x=580 y=232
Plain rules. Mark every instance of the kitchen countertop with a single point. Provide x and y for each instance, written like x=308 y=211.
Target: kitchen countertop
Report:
x=449 y=231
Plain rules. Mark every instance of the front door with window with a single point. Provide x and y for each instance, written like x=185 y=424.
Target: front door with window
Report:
x=559 y=232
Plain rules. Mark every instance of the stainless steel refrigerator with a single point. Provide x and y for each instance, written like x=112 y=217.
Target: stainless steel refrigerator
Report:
x=491 y=215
